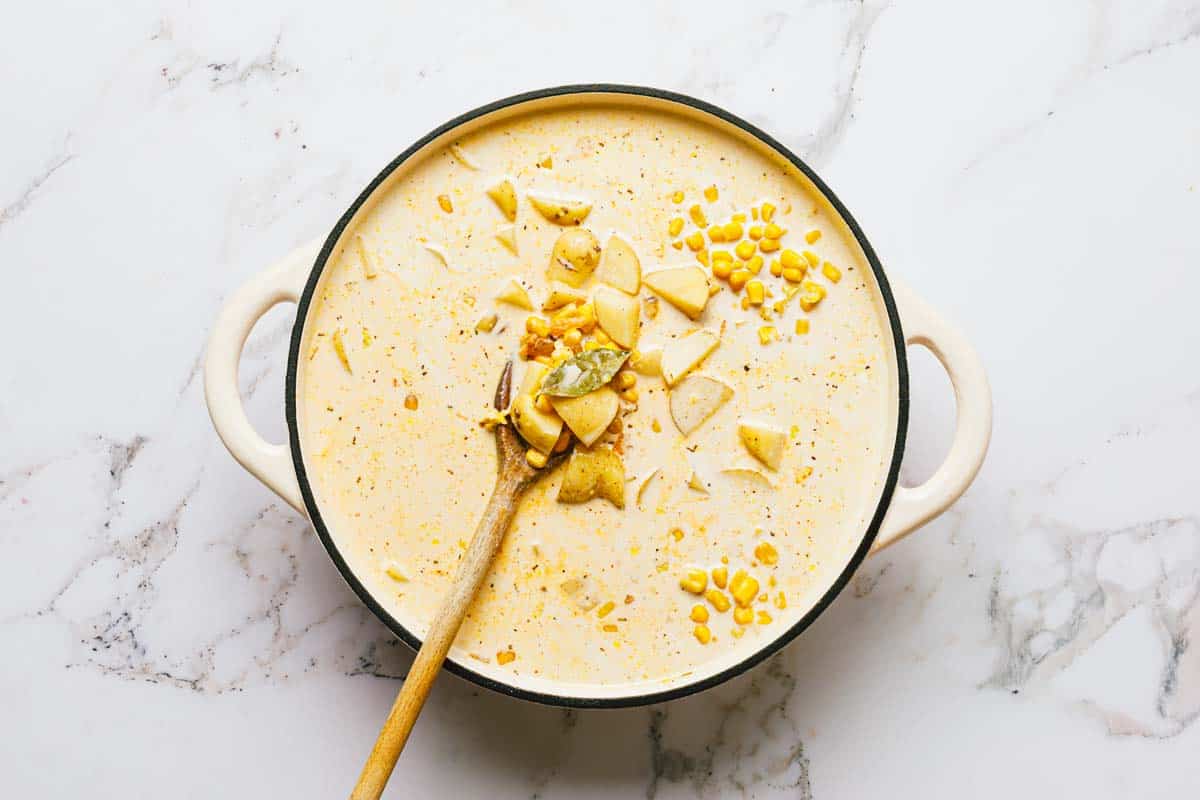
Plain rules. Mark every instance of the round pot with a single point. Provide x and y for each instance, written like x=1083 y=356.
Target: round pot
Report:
x=899 y=510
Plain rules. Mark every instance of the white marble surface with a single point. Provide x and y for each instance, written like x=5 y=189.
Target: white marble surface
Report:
x=169 y=629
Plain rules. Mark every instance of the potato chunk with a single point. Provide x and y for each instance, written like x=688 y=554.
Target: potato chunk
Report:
x=766 y=443
x=686 y=288
x=620 y=267
x=538 y=429
x=617 y=313
x=504 y=195
x=696 y=398
x=593 y=473
x=681 y=356
x=560 y=210
x=574 y=257
x=587 y=416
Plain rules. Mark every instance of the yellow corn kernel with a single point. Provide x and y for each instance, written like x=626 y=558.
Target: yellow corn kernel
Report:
x=535 y=458
x=743 y=587
x=722 y=269
x=411 y=402
x=677 y=534
x=610 y=628
x=444 y=202
x=755 y=292
x=745 y=304
x=766 y=553
x=547 y=162
x=814 y=293
x=702 y=633
x=677 y=245
x=793 y=275
x=600 y=336
x=543 y=404
x=710 y=194
x=656 y=426
x=739 y=218
x=766 y=334
x=505 y=657
x=606 y=609
x=677 y=198
x=737 y=632
x=831 y=272
x=697 y=215
x=755 y=264
x=755 y=232
x=743 y=616
x=695 y=241
x=754 y=212
x=773 y=231
x=694 y=581
x=733 y=231
x=792 y=260
x=630 y=395
x=779 y=306
x=812 y=236
x=716 y=233
x=573 y=338
x=776 y=267
x=744 y=250
x=720 y=576
x=738 y=278
x=718 y=599
x=699 y=613
x=626 y=380
x=811 y=258
x=781 y=601
x=675 y=226
x=722 y=255
x=538 y=326
x=768 y=245
x=764 y=618
x=768 y=212
x=801 y=326
x=395 y=573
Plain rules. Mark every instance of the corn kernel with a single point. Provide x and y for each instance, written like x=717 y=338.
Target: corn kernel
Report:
x=801 y=326
x=768 y=245
x=444 y=202
x=697 y=215
x=738 y=278
x=743 y=616
x=656 y=426
x=722 y=255
x=535 y=458
x=702 y=257
x=410 y=402
x=739 y=218
x=573 y=338
x=702 y=633
x=720 y=576
x=766 y=334
x=754 y=212
x=716 y=233
x=737 y=632
x=812 y=236
x=766 y=553
x=395 y=573
x=677 y=534
x=538 y=326
x=755 y=291
x=744 y=250
x=768 y=212
x=677 y=198
x=710 y=194
x=606 y=609
x=793 y=275
x=776 y=267
x=695 y=241
x=831 y=272
x=755 y=232
x=626 y=380
x=781 y=601
x=755 y=264
x=745 y=304
x=718 y=599
x=630 y=395
x=610 y=628
x=773 y=231
x=505 y=657
x=811 y=258
x=743 y=587
x=694 y=580
x=764 y=618
x=699 y=613
x=792 y=260
x=675 y=226
x=722 y=269
x=600 y=336
x=547 y=162
x=733 y=231
x=779 y=306
x=543 y=404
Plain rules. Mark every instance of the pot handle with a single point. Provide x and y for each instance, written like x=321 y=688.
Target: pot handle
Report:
x=282 y=283
x=912 y=507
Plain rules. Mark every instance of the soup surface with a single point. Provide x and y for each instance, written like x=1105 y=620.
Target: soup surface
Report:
x=728 y=534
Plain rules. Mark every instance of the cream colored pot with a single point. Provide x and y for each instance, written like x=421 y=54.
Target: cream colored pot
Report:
x=566 y=658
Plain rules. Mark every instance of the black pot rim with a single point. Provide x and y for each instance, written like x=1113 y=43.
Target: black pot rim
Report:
x=752 y=659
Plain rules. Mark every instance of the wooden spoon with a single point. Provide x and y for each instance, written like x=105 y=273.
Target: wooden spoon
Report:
x=514 y=476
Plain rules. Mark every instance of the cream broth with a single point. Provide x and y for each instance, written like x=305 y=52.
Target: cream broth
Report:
x=403 y=488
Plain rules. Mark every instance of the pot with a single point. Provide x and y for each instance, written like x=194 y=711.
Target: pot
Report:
x=909 y=320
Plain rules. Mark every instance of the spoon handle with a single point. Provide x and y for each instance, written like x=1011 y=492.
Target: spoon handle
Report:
x=474 y=566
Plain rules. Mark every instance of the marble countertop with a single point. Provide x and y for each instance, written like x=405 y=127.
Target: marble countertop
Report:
x=172 y=629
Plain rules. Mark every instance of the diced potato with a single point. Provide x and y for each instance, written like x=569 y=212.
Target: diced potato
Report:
x=620 y=266
x=766 y=443
x=589 y=415
x=647 y=361
x=686 y=288
x=504 y=195
x=593 y=473
x=507 y=236
x=540 y=430
x=748 y=479
x=617 y=314
x=681 y=356
x=696 y=398
x=560 y=210
x=515 y=294
x=560 y=296
x=575 y=256
x=531 y=382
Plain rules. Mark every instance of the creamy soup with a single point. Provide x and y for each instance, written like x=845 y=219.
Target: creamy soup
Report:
x=728 y=534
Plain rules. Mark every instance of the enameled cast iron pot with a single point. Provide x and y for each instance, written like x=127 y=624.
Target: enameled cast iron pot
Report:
x=910 y=321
